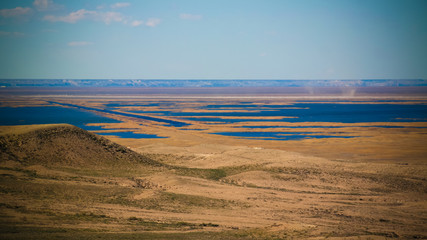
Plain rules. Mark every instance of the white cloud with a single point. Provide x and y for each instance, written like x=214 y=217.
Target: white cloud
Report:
x=14 y=12
x=11 y=34
x=79 y=43
x=42 y=4
x=136 y=23
x=106 y=17
x=45 y=5
x=99 y=7
x=187 y=16
x=152 y=22
x=120 y=5
x=72 y=17
x=109 y=17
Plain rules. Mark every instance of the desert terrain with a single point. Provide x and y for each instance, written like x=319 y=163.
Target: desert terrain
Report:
x=60 y=181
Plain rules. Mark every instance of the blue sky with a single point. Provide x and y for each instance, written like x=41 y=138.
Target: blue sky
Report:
x=218 y=39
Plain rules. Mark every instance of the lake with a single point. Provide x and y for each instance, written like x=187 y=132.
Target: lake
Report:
x=280 y=136
x=52 y=115
x=210 y=113
x=308 y=112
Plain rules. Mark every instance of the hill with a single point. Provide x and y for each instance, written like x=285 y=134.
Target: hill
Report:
x=61 y=182
x=63 y=145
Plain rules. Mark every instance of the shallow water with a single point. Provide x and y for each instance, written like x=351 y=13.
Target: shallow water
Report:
x=155 y=119
x=291 y=113
x=308 y=112
x=50 y=115
x=323 y=126
x=130 y=135
x=279 y=135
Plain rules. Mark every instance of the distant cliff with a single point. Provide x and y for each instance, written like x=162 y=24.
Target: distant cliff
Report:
x=147 y=83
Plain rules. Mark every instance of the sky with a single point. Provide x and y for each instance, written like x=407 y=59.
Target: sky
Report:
x=218 y=39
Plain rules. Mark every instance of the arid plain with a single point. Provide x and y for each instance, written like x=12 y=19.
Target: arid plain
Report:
x=364 y=180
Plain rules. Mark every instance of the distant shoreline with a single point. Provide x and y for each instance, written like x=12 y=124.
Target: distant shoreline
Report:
x=224 y=92
x=192 y=83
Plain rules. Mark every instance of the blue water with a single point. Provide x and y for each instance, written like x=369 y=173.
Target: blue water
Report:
x=130 y=135
x=121 y=104
x=302 y=112
x=50 y=115
x=323 y=126
x=93 y=128
x=315 y=112
x=310 y=112
x=280 y=136
x=169 y=122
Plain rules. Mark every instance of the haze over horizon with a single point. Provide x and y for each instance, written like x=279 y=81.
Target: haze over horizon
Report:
x=171 y=39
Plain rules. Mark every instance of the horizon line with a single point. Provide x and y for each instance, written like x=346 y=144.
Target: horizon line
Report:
x=225 y=79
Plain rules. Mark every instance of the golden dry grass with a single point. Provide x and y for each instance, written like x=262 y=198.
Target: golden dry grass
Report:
x=195 y=185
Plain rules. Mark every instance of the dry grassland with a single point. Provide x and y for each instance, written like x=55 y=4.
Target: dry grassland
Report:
x=58 y=181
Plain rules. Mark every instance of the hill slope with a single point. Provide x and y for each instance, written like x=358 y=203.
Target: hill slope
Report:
x=64 y=145
x=61 y=182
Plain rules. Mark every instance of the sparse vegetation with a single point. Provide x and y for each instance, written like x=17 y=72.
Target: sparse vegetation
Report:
x=212 y=174
x=61 y=194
